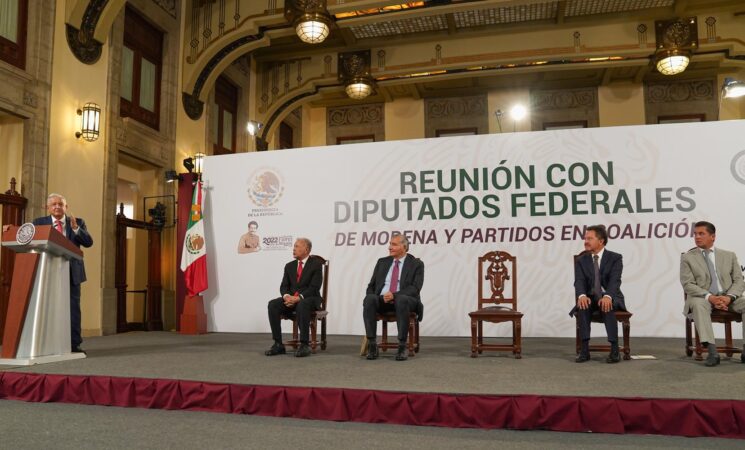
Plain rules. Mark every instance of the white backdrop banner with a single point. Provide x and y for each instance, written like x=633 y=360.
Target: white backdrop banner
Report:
x=529 y=194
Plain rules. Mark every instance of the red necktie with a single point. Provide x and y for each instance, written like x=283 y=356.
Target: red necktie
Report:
x=299 y=270
x=58 y=226
x=394 y=277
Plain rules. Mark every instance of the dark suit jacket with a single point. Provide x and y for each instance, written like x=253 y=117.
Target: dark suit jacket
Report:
x=611 y=269
x=310 y=281
x=81 y=239
x=409 y=283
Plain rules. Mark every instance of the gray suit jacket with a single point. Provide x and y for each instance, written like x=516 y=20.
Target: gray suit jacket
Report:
x=695 y=278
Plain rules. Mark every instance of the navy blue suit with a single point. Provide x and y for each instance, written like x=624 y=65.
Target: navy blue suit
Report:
x=405 y=300
x=77 y=272
x=611 y=270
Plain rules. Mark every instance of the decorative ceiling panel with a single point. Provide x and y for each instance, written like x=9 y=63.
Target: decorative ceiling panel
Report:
x=398 y=27
x=514 y=14
x=589 y=7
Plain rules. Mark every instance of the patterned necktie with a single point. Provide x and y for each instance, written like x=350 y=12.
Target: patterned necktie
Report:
x=58 y=226
x=596 y=283
x=394 y=277
x=299 y=270
x=714 y=287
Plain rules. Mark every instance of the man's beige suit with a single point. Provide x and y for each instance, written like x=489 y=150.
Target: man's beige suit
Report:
x=696 y=280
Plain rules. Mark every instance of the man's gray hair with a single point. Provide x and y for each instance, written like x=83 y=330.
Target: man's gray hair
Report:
x=54 y=194
x=404 y=241
x=307 y=242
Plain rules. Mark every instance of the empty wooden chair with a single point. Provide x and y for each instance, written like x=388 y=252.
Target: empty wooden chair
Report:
x=497 y=270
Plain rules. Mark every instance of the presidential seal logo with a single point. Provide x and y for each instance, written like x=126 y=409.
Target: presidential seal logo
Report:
x=25 y=233
x=265 y=188
x=737 y=167
x=194 y=243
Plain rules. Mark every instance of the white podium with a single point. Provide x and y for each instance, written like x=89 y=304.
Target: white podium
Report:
x=37 y=326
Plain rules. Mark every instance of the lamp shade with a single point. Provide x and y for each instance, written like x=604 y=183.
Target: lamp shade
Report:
x=672 y=62
x=358 y=89
x=90 y=122
x=312 y=28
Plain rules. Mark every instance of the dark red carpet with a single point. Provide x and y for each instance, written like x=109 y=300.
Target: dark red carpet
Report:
x=675 y=417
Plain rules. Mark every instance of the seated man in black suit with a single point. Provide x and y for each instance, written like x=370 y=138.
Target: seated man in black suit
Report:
x=301 y=292
x=597 y=285
x=395 y=286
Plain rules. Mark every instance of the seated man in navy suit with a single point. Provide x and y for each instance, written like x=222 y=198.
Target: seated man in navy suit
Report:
x=74 y=229
x=301 y=293
x=395 y=285
x=597 y=286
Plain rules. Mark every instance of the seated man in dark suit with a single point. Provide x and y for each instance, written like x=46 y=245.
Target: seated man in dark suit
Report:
x=75 y=230
x=301 y=292
x=394 y=286
x=597 y=285
x=712 y=279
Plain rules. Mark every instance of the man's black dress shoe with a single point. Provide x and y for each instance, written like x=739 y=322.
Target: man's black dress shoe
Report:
x=742 y=357
x=582 y=357
x=401 y=355
x=78 y=350
x=303 y=351
x=372 y=350
x=613 y=356
x=712 y=360
x=277 y=349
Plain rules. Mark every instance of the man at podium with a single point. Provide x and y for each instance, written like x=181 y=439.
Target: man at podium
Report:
x=74 y=229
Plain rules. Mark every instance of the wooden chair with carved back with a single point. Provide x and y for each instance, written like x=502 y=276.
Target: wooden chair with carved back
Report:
x=623 y=317
x=497 y=272
x=315 y=317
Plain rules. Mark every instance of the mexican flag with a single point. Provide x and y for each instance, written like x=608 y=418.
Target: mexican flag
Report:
x=194 y=253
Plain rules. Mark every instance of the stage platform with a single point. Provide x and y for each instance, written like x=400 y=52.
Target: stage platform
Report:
x=441 y=386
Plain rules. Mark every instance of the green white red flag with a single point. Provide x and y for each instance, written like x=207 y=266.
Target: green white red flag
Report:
x=194 y=252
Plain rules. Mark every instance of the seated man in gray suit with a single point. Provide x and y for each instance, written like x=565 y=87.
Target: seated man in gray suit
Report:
x=711 y=278
x=395 y=285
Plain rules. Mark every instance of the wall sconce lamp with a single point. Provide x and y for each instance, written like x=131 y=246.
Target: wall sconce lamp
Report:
x=198 y=162
x=733 y=88
x=254 y=127
x=172 y=176
x=675 y=40
x=354 y=72
x=90 y=122
x=193 y=164
x=310 y=19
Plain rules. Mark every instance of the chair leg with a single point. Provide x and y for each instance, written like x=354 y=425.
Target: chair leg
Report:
x=412 y=337
x=517 y=339
x=474 y=344
x=626 y=340
x=323 y=334
x=384 y=341
x=480 y=336
x=728 y=338
x=689 y=338
x=416 y=333
x=313 y=335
